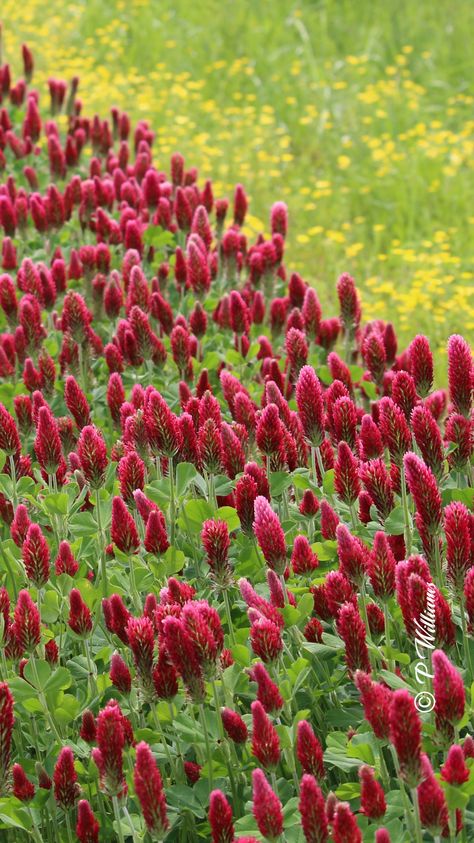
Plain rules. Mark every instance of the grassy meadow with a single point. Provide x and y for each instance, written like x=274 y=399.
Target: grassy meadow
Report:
x=358 y=114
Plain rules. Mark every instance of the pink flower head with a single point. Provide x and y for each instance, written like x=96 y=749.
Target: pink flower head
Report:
x=66 y=787
x=6 y=729
x=372 y=797
x=329 y=521
x=345 y=828
x=350 y=627
x=303 y=560
x=454 y=770
x=421 y=364
x=448 y=689
x=162 y=425
x=47 y=442
x=80 y=619
x=22 y=789
x=267 y=808
x=65 y=562
x=265 y=740
x=36 y=556
x=245 y=495
x=270 y=535
x=267 y=694
x=376 y=699
x=119 y=674
x=313 y=811
x=309 y=750
x=428 y=438
x=346 y=474
x=76 y=402
x=424 y=489
x=149 y=789
x=216 y=543
x=460 y=374
x=265 y=639
x=269 y=431
x=432 y=802
x=349 y=303
x=123 y=530
x=396 y=434
x=457 y=528
x=108 y=755
x=92 y=453
x=381 y=567
x=234 y=725
x=405 y=734
x=87 y=827
x=310 y=405
x=353 y=555
x=220 y=818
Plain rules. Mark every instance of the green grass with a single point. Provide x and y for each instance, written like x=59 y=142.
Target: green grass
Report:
x=373 y=153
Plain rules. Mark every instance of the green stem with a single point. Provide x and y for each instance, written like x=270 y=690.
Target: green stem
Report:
x=68 y=827
x=406 y=514
x=117 y=819
x=208 y=745
x=228 y=615
x=438 y=562
x=172 y=500
x=416 y=812
x=164 y=742
x=103 y=560
x=388 y=641
x=11 y=460
x=313 y=465
x=43 y=702
x=465 y=641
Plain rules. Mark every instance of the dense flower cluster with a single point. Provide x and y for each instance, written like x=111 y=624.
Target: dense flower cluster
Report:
x=224 y=516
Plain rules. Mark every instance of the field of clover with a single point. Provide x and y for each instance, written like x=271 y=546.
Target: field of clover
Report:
x=224 y=516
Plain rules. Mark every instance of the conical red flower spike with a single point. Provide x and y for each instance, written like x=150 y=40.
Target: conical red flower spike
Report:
x=66 y=787
x=267 y=808
x=448 y=690
x=6 y=729
x=405 y=734
x=345 y=828
x=123 y=530
x=460 y=374
x=22 y=789
x=92 y=453
x=270 y=535
x=80 y=619
x=149 y=789
x=434 y=813
x=36 y=556
x=267 y=694
x=234 y=725
x=309 y=750
x=421 y=364
x=454 y=770
x=303 y=560
x=376 y=700
x=313 y=811
x=108 y=755
x=87 y=827
x=346 y=474
x=350 y=627
x=220 y=818
x=372 y=798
